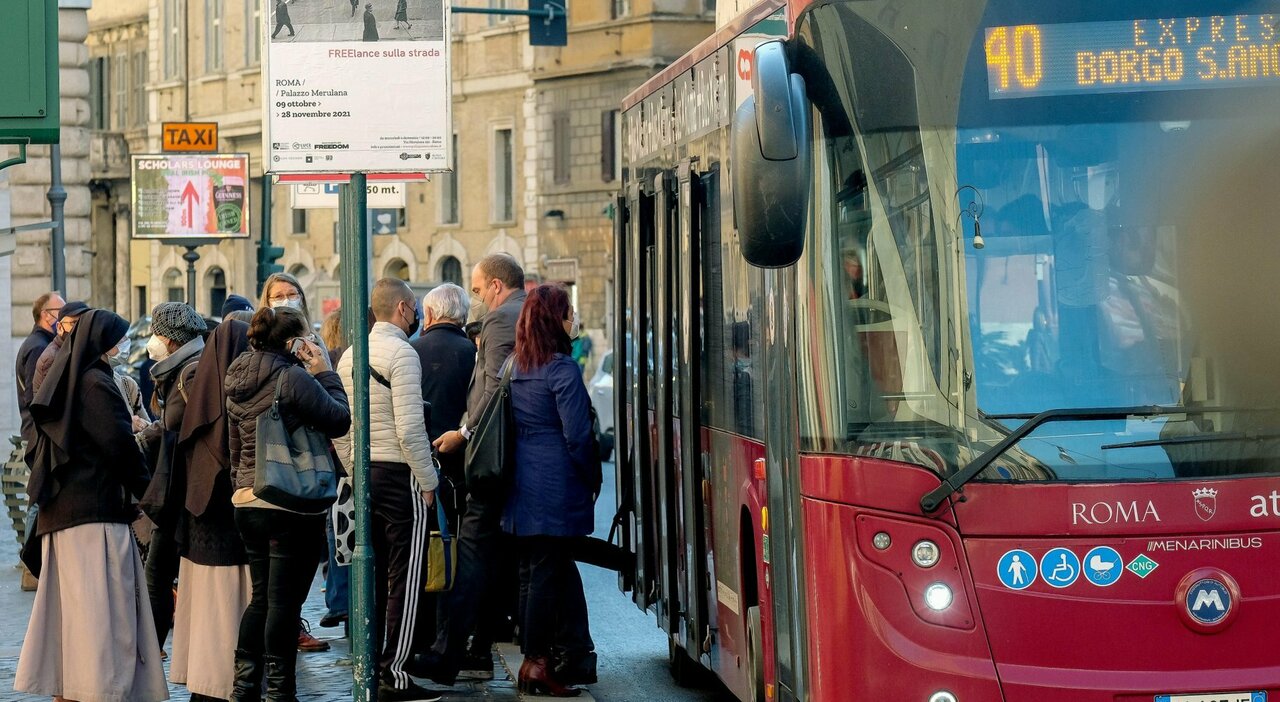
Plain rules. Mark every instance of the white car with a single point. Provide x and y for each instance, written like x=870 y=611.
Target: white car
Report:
x=601 y=390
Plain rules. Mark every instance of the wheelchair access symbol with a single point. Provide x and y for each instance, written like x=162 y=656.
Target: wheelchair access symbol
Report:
x=1060 y=567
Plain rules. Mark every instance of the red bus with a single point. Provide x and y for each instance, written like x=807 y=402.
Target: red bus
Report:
x=949 y=362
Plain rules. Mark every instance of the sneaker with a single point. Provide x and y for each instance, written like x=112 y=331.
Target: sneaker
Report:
x=308 y=643
x=413 y=693
x=476 y=666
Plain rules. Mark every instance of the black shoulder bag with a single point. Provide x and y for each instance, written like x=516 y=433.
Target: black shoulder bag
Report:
x=491 y=451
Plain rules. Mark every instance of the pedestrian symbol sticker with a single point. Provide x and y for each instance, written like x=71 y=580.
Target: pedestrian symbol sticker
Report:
x=1103 y=566
x=1017 y=569
x=1060 y=567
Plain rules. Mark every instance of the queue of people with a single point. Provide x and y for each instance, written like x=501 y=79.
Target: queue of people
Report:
x=244 y=565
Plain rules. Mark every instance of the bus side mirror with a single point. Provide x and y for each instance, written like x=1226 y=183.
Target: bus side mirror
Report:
x=771 y=156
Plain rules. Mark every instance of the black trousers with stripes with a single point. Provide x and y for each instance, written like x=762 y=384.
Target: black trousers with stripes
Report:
x=401 y=524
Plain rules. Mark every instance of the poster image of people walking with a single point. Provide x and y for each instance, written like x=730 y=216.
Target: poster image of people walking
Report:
x=364 y=20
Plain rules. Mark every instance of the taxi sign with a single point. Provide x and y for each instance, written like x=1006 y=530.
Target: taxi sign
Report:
x=190 y=136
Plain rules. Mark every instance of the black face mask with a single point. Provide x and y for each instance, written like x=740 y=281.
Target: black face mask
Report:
x=417 y=322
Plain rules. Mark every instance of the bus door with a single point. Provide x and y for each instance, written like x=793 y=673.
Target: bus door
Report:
x=639 y=495
x=692 y=485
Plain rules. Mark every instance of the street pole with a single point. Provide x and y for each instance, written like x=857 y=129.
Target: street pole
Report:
x=265 y=239
x=191 y=256
x=57 y=197
x=354 y=251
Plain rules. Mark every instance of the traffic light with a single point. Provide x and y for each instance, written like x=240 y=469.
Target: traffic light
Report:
x=267 y=257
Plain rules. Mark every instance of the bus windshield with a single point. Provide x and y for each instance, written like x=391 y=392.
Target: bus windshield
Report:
x=1020 y=207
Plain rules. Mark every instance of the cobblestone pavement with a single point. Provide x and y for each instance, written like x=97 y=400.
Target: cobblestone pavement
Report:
x=632 y=651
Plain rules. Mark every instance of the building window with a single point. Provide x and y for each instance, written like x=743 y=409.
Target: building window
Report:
x=212 y=35
x=216 y=281
x=173 y=38
x=451 y=270
x=396 y=268
x=709 y=6
x=499 y=5
x=388 y=221
x=253 y=37
x=175 y=291
x=120 y=92
x=503 y=175
x=621 y=8
x=299 y=221
x=561 y=143
x=138 y=104
x=300 y=271
x=99 y=90
x=449 y=190
x=609 y=146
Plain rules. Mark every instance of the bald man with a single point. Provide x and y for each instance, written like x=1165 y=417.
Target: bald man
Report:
x=402 y=481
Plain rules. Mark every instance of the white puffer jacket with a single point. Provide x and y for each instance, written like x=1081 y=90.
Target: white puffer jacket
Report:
x=397 y=429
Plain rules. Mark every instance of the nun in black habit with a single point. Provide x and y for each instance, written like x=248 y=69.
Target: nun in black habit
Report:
x=91 y=636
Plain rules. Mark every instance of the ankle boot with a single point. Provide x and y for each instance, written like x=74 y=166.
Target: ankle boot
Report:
x=248 y=677
x=536 y=679
x=280 y=675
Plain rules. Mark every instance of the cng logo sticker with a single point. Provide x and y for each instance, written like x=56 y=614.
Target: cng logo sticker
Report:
x=1142 y=566
x=1208 y=601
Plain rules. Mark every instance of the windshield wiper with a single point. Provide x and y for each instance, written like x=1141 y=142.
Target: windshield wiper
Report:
x=1192 y=439
x=933 y=499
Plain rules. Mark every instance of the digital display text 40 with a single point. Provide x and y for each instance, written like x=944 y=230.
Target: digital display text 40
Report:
x=1177 y=53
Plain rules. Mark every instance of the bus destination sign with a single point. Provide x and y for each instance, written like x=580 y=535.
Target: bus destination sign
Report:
x=1176 y=53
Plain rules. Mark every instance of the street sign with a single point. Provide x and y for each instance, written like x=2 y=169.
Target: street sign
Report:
x=29 y=82
x=382 y=195
x=190 y=198
x=553 y=28
x=354 y=88
x=189 y=136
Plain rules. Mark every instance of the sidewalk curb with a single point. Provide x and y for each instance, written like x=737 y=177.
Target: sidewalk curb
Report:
x=510 y=657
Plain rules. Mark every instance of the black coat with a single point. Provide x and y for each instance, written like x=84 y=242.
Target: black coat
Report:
x=318 y=402
x=85 y=464
x=448 y=360
x=25 y=370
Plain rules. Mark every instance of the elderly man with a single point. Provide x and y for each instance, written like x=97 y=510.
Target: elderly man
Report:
x=67 y=319
x=402 y=482
x=448 y=360
x=44 y=313
x=498 y=280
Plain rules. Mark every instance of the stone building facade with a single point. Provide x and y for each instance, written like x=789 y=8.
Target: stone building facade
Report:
x=28 y=272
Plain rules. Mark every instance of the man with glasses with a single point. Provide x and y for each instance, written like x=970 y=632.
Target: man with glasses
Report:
x=44 y=312
x=66 y=323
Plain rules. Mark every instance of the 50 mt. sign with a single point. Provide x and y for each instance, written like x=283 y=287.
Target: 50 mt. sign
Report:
x=190 y=197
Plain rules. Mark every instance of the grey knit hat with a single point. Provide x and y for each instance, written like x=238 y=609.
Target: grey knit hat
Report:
x=176 y=321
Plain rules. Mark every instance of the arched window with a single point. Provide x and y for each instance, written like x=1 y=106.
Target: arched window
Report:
x=216 y=282
x=174 y=286
x=396 y=268
x=451 y=270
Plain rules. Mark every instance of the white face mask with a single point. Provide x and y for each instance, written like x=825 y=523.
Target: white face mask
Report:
x=575 y=327
x=122 y=352
x=157 y=349
x=295 y=304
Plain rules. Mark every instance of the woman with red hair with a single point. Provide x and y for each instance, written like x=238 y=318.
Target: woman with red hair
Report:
x=557 y=474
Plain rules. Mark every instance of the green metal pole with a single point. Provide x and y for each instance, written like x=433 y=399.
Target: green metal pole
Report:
x=354 y=248
x=265 y=235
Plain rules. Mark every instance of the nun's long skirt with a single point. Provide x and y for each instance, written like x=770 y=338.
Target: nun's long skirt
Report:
x=206 y=626
x=91 y=637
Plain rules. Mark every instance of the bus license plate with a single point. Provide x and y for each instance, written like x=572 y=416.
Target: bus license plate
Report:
x=1216 y=697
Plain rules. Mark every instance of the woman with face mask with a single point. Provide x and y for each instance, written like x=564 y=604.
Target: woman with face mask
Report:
x=284 y=290
x=118 y=357
x=175 y=346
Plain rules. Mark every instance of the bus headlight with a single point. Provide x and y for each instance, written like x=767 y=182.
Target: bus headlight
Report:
x=942 y=696
x=938 y=597
x=925 y=554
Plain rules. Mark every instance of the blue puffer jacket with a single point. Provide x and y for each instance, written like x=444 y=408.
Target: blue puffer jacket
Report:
x=555 y=455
